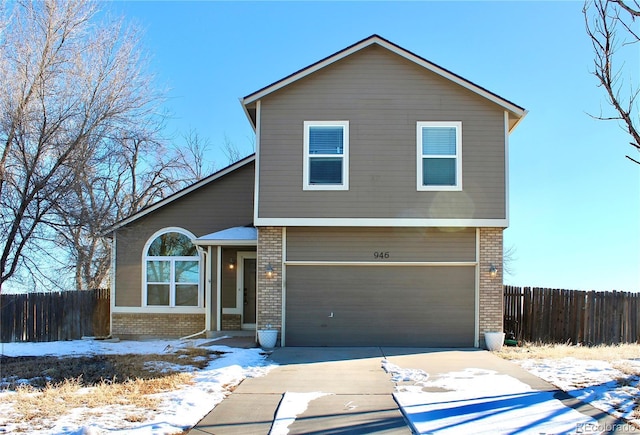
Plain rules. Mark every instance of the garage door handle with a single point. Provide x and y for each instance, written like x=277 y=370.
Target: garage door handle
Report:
x=331 y=315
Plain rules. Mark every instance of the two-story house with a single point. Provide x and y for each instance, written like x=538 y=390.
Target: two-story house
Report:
x=371 y=214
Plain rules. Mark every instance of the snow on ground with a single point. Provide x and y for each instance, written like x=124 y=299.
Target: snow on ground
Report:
x=179 y=410
x=94 y=347
x=470 y=401
x=482 y=401
x=291 y=406
x=603 y=384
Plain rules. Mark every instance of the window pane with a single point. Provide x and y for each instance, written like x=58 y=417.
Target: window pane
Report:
x=158 y=294
x=439 y=141
x=186 y=295
x=438 y=172
x=325 y=170
x=187 y=271
x=158 y=271
x=325 y=140
x=172 y=244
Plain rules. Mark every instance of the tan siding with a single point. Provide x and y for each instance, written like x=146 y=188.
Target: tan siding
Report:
x=360 y=244
x=225 y=203
x=380 y=306
x=382 y=96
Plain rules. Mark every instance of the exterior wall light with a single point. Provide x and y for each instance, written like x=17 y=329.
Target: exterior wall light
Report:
x=269 y=270
x=493 y=272
x=232 y=263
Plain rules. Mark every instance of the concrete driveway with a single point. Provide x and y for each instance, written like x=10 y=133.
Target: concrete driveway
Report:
x=359 y=392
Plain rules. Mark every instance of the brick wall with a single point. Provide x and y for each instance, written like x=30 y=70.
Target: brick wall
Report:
x=231 y=322
x=126 y=325
x=269 y=290
x=491 y=298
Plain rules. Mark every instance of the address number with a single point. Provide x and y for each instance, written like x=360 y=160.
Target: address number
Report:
x=381 y=255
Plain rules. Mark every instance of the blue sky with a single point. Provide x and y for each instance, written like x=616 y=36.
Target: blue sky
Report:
x=574 y=198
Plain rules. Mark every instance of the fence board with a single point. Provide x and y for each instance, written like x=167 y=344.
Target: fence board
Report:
x=54 y=316
x=572 y=316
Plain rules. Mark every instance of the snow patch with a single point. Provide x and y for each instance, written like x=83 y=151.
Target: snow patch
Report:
x=292 y=405
x=483 y=401
x=399 y=374
x=596 y=382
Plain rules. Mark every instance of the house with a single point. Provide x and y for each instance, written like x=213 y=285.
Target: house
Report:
x=371 y=214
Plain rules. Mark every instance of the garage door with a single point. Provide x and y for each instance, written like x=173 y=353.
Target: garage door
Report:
x=380 y=305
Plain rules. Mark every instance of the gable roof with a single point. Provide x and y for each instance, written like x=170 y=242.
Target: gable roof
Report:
x=516 y=113
x=180 y=193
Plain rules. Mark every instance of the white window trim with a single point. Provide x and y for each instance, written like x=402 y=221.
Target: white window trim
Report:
x=458 y=126
x=172 y=294
x=345 y=157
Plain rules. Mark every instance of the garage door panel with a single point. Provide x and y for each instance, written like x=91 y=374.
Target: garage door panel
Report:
x=385 y=305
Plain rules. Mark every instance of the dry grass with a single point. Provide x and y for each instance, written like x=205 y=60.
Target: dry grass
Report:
x=555 y=351
x=92 y=370
x=627 y=368
x=58 y=399
x=59 y=385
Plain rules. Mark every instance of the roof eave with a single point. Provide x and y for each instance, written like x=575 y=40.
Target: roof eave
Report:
x=518 y=119
x=251 y=117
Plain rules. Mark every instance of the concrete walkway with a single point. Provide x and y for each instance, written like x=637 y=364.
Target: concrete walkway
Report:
x=361 y=400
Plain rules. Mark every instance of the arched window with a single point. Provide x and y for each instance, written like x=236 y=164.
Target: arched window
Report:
x=172 y=270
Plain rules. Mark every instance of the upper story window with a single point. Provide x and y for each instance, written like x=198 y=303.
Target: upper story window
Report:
x=326 y=155
x=172 y=270
x=439 y=155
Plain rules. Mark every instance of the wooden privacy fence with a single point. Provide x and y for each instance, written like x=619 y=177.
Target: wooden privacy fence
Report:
x=54 y=316
x=571 y=316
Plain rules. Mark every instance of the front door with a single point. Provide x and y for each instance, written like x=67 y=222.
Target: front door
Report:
x=246 y=279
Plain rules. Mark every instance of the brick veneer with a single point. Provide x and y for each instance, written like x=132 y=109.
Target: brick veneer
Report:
x=490 y=298
x=156 y=325
x=231 y=322
x=269 y=290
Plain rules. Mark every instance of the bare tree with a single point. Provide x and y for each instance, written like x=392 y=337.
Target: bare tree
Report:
x=111 y=187
x=193 y=156
x=70 y=88
x=232 y=151
x=508 y=260
x=610 y=25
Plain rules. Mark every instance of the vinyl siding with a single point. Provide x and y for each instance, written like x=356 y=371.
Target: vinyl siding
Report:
x=382 y=96
x=224 y=203
x=360 y=244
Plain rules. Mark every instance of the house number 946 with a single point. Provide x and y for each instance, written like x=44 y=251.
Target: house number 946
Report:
x=381 y=255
